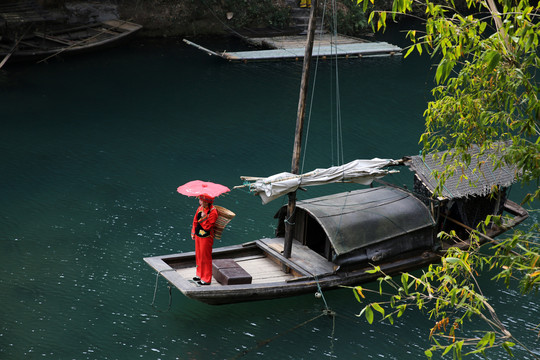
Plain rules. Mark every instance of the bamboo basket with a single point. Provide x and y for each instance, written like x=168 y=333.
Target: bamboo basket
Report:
x=224 y=216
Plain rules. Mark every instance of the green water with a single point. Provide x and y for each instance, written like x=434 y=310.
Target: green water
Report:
x=92 y=151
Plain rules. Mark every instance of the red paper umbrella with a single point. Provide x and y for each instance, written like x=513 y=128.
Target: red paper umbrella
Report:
x=206 y=188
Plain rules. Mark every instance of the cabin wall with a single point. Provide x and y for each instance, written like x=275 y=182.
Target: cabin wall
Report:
x=397 y=248
x=469 y=211
x=309 y=232
x=472 y=211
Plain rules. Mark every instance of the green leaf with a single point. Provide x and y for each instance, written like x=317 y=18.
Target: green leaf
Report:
x=405 y=279
x=452 y=260
x=492 y=338
x=443 y=70
x=448 y=348
x=485 y=340
x=411 y=49
x=375 y=270
x=369 y=315
x=382 y=19
x=356 y=295
x=439 y=73
x=506 y=346
x=371 y=15
x=402 y=309
x=483 y=26
x=492 y=58
x=377 y=307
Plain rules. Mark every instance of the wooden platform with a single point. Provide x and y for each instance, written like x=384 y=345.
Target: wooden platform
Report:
x=293 y=48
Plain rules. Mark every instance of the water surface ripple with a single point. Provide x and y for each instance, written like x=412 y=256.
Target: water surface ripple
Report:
x=93 y=149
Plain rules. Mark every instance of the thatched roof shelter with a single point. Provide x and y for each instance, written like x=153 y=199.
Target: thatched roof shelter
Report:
x=478 y=183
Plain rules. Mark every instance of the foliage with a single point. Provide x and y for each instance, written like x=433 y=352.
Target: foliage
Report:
x=351 y=19
x=487 y=83
x=486 y=92
x=448 y=292
x=250 y=13
x=519 y=259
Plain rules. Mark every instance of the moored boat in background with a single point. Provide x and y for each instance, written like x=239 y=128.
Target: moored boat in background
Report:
x=43 y=45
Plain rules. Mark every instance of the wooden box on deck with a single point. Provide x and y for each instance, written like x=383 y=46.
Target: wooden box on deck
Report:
x=228 y=272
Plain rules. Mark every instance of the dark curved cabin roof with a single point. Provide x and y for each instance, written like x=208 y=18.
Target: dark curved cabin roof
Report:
x=360 y=218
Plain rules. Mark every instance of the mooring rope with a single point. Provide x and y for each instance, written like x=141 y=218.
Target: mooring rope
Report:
x=269 y=340
x=319 y=291
x=156 y=286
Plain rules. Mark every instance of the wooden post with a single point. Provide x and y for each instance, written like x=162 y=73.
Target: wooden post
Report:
x=289 y=220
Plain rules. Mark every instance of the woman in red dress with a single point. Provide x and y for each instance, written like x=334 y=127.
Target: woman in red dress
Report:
x=202 y=232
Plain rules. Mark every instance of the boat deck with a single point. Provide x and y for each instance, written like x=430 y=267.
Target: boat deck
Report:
x=293 y=48
x=265 y=268
x=261 y=268
x=304 y=259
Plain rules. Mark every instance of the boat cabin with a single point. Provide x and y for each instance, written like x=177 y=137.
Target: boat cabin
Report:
x=368 y=225
x=463 y=204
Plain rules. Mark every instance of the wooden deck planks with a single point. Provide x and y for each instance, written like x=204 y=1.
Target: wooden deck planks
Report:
x=284 y=42
x=262 y=270
x=303 y=256
x=293 y=47
x=346 y=50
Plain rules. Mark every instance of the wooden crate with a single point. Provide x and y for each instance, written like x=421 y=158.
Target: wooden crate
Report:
x=228 y=272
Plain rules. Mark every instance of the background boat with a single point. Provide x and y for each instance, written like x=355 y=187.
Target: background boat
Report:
x=43 y=45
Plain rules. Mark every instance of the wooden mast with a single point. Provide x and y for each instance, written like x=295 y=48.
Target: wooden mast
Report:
x=289 y=220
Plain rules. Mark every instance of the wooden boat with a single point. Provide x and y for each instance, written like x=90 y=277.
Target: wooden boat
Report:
x=337 y=239
x=42 y=45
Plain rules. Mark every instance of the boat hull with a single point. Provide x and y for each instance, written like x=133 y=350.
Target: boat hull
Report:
x=74 y=40
x=173 y=268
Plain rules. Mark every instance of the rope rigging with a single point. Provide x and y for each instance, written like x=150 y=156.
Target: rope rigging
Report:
x=336 y=133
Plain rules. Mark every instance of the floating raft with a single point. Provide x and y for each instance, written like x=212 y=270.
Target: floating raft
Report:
x=293 y=48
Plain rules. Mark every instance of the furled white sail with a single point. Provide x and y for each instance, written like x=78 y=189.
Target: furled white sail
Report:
x=357 y=171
